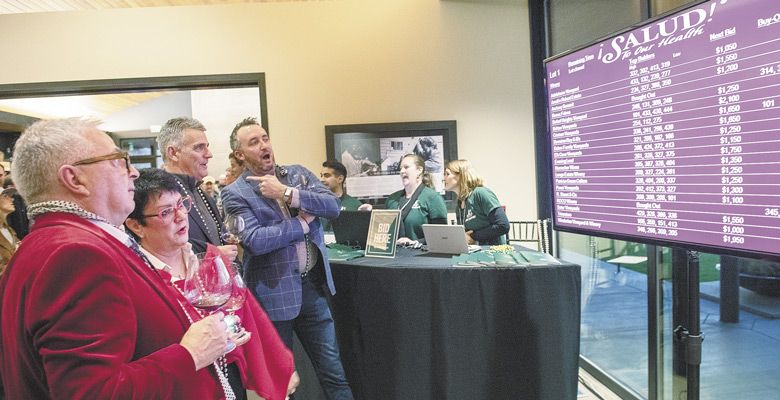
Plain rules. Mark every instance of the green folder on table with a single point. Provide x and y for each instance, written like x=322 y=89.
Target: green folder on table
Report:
x=339 y=252
x=489 y=259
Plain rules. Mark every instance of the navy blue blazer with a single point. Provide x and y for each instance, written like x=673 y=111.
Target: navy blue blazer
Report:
x=198 y=236
x=270 y=255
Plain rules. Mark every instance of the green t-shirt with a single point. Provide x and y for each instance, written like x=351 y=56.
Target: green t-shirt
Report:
x=429 y=206
x=479 y=204
x=347 y=203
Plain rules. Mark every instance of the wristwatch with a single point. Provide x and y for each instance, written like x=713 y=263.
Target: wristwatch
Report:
x=287 y=197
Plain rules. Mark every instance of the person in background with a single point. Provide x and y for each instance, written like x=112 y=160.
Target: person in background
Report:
x=185 y=151
x=18 y=218
x=218 y=188
x=235 y=169
x=209 y=186
x=418 y=201
x=478 y=209
x=83 y=316
x=8 y=239
x=260 y=362
x=285 y=260
x=332 y=175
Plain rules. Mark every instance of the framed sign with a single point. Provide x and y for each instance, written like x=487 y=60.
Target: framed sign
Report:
x=382 y=233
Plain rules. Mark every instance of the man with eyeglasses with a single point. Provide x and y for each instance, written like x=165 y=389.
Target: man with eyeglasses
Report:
x=185 y=152
x=83 y=315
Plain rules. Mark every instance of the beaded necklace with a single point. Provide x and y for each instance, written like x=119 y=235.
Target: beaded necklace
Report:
x=200 y=215
x=220 y=364
x=208 y=207
x=36 y=209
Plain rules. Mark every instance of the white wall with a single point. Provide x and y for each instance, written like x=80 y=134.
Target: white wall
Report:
x=326 y=63
x=219 y=110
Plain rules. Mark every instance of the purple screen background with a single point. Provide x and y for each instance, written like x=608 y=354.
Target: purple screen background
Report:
x=671 y=131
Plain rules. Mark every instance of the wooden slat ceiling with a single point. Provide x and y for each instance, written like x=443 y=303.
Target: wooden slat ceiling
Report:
x=31 y=6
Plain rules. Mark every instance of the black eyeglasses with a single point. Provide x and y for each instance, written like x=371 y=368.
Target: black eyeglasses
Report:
x=108 y=157
x=167 y=213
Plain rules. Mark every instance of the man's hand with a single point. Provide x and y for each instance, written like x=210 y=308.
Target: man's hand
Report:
x=229 y=250
x=269 y=185
x=365 y=207
x=206 y=340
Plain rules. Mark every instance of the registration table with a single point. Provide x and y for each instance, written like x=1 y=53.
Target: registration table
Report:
x=416 y=327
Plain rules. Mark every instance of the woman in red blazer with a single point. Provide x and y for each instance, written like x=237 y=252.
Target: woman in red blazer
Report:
x=261 y=362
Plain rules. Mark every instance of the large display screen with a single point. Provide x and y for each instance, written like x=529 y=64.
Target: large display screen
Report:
x=669 y=132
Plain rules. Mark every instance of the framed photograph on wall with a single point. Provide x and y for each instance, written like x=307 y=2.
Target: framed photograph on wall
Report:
x=372 y=153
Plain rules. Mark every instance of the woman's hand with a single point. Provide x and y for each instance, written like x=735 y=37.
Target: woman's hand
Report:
x=469 y=239
x=241 y=336
x=293 y=385
x=404 y=241
x=229 y=250
x=365 y=207
x=206 y=340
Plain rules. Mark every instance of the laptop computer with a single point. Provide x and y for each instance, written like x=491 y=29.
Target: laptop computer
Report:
x=351 y=228
x=447 y=239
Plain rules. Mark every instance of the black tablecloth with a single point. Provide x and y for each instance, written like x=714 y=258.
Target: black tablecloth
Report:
x=415 y=327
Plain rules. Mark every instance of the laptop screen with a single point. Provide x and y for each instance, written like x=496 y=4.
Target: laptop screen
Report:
x=351 y=228
x=445 y=239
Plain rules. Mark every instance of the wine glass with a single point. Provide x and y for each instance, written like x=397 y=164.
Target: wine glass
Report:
x=237 y=298
x=234 y=225
x=208 y=284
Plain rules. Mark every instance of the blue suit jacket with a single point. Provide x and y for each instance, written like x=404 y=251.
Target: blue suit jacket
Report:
x=270 y=255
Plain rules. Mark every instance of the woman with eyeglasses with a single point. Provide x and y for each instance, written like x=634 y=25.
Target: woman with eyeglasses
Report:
x=260 y=362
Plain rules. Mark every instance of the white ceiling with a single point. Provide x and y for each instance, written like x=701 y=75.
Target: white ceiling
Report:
x=31 y=6
x=98 y=106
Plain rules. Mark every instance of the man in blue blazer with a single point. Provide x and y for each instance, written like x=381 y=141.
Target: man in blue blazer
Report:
x=285 y=259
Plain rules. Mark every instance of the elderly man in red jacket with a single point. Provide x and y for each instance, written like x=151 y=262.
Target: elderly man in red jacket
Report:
x=83 y=316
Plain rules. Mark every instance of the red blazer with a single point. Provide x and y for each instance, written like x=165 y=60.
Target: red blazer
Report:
x=265 y=362
x=83 y=317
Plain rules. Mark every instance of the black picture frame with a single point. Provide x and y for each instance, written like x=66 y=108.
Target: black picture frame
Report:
x=378 y=147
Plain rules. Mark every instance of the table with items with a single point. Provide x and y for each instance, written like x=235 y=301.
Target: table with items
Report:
x=489 y=325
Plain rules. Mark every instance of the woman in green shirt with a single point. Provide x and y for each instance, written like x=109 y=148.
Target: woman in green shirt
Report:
x=478 y=207
x=418 y=202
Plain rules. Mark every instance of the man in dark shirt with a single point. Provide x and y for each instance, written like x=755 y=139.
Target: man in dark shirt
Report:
x=333 y=175
x=185 y=151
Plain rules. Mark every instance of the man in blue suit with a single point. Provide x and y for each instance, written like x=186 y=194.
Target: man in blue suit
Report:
x=285 y=260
